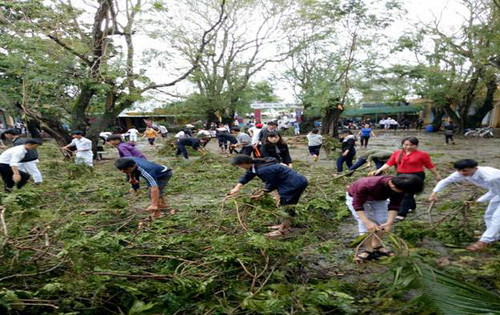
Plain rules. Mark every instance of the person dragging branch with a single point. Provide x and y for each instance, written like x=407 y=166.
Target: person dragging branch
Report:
x=374 y=203
x=485 y=177
x=156 y=176
x=289 y=183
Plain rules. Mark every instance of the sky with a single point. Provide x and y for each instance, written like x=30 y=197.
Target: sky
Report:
x=167 y=67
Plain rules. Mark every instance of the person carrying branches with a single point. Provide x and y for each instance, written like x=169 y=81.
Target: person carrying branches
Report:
x=374 y=202
x=485 y=177
x=288 y=183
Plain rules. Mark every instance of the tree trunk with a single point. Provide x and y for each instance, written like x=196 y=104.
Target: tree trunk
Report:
x=331 y=118
x=211 y=117
x=474 y=121
x=438 y=117
x=454 y=117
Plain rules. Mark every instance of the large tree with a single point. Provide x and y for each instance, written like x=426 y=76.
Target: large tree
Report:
x=457 y=70
x=244 y=45
x=63 y=63
x=336 y=41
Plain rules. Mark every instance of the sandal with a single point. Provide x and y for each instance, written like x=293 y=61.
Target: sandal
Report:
x=365 y=255
x=477 y=246
x=274 y=227
x=277 y=233
x=383 y=251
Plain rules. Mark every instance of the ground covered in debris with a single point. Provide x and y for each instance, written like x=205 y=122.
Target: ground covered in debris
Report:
x=81 y=243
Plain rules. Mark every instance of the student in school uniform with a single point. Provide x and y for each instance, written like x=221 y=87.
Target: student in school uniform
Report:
x=287 y=182
x=190 y=142
x=84 y=154
x=29 y=163
x=274 y=146
x=156 y=176
x=132 y=133
x=226 y=140
x=314 y=142
x=244 y=141
x=9 y=164
x=348 y=151
x=485 y=177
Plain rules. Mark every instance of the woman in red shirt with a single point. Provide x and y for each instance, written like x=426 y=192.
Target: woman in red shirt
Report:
x=409 y=160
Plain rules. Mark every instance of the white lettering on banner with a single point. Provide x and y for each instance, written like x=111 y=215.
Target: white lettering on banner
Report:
x=273 y=105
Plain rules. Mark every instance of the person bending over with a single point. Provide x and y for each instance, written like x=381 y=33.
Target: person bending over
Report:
x=374 y=203
x=156 y=176
x=485 y=177
x=190 y=142
x=288 y=183
x=10 y=160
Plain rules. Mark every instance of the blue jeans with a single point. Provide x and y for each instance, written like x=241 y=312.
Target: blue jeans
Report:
x=347 y=159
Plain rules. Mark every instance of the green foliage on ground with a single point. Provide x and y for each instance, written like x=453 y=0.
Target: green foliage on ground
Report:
x=81 y=243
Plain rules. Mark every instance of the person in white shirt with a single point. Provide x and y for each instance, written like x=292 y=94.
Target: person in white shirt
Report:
x=314 y=142
x=10 y=162
x=181 y=134
x=485 y=177
x=203 y=133
x=254 y=133
x=163 y=131
x=84 y=154
x=132 y=132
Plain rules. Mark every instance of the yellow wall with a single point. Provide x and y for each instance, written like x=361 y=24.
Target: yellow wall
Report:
x=495 y=115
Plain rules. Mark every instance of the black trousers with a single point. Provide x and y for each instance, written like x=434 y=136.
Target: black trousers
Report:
x=447 y=138
x=364 y=140
x=6 y=173
x=408 y=201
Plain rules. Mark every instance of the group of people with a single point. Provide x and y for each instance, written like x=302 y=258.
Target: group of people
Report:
x=376 y=202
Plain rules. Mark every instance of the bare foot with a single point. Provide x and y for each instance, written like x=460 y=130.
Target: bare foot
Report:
x=477 y=246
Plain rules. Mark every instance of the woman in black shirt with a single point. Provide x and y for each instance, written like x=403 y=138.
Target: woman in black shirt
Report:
x=274 y=146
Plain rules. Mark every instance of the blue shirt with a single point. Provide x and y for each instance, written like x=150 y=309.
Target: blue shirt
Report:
x=366 y=132
x=150 y=171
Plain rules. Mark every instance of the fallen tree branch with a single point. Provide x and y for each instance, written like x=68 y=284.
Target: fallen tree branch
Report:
x=2 y=218
x=19 y=275
x=132 y=276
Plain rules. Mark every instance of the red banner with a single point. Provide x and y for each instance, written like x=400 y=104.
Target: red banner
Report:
x=257 y=115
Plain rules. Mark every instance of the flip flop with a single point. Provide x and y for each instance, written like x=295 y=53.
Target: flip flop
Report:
x=277 y=233
x=365 y=255
x=383 y=251
x=274 y=227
